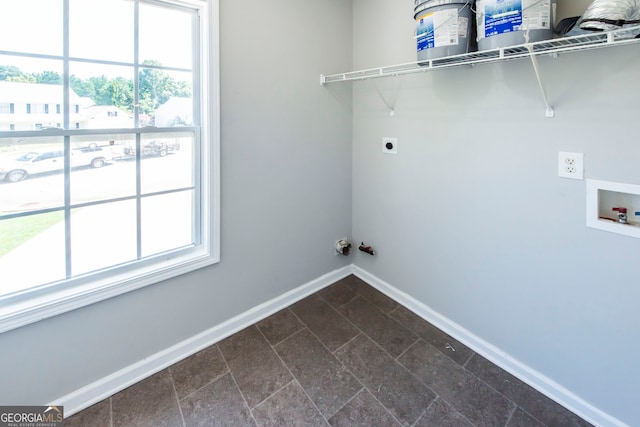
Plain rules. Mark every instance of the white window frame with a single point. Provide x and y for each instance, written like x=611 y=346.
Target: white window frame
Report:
x=60 y=297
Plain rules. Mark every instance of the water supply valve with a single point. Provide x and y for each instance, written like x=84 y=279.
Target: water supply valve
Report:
x=622 y=215
x=343 y=247
x=366 y=249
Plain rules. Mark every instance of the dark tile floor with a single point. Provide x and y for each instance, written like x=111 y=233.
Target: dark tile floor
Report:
x=345 y=356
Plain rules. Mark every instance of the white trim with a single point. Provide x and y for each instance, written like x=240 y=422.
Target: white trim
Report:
x=535 y=379
x=111 y=384
x=32 y=305
x=593 y=207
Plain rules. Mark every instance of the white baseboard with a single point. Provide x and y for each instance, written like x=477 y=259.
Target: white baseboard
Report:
x=535 y=379
x=107 y=386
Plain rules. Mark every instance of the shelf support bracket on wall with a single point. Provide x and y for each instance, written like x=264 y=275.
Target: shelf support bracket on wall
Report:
x=534 y=60
x=390 y=106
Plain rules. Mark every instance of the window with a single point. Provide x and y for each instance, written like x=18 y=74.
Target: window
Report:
x=12 y=126
x=118 y=194
x=6 y=108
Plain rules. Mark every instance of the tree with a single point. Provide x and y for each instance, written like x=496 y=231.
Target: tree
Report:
x=82 y=87
x=119 y=92
x=23 y=78
x=8 y=71
x=156 y=87
x=48 y=77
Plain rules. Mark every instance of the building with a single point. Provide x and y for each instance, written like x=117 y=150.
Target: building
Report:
x=34 y=106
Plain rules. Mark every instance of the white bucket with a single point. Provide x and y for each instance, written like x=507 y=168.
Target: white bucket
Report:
x=443 y=28
x=503 y=23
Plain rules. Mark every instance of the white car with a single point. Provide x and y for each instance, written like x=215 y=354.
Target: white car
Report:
x=49 y=161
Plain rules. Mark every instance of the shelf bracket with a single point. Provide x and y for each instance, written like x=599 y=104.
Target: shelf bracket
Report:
x=534 y=60
x=390 y=106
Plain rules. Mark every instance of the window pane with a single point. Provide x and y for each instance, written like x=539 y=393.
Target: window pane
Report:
x=167 y=222
x=162 y=47
x=31 y=251
x=101 y=29
x=168 y=162
x=31 y=26
x=166 y=97
x=100 y=171
x=102 y=96
x=31 y=175
x=103 y=236
x=30 y=93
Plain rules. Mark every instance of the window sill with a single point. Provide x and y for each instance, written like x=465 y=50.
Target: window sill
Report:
x=23 y=310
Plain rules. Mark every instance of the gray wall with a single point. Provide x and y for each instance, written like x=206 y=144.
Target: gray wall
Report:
x=471 y=218
x=286 y=196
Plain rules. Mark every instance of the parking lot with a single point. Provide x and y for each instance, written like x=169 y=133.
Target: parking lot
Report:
x=102 y=235
x=116 y=179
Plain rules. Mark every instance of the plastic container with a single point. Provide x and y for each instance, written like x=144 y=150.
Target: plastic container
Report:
x=443 y=28
x=504 y=23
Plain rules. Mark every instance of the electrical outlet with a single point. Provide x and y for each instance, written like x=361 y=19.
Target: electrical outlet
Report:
x=571 y=165
x=390 y=145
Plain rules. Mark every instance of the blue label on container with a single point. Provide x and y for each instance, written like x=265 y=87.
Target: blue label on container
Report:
x=425 y=33
x=502 y=16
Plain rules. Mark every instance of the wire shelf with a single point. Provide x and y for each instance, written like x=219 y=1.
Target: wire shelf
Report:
x=547 y=47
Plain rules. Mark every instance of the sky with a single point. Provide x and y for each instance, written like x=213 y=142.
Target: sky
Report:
x=99 y=29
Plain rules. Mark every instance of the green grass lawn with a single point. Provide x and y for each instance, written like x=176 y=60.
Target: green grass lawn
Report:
x=16 y=231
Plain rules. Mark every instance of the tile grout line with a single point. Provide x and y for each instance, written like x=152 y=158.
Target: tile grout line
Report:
x=371 y=301
x=227 y=371
x=473 y=375
x=175 y=394
x=295 y=379
x=233 y=377
x=418 y=338
x=287 y=337
x=204 y=386
x=337 y=360
x=425 y=411
x=273 y=394
x=110 y=412
x=333 y=353
x=356 y=294
x=385 y=408
x=517 y=405
x=347 y=343
x=406 y=369
x=513 y=411
x=415 y=332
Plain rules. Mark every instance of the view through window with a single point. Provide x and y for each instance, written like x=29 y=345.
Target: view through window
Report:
x=101 y=138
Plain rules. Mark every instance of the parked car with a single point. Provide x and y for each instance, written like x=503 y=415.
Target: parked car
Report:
x=153 y=148
x=30 y=163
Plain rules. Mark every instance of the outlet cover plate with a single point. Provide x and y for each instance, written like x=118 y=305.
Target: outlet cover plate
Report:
x=571 y=165
x=390 y=145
